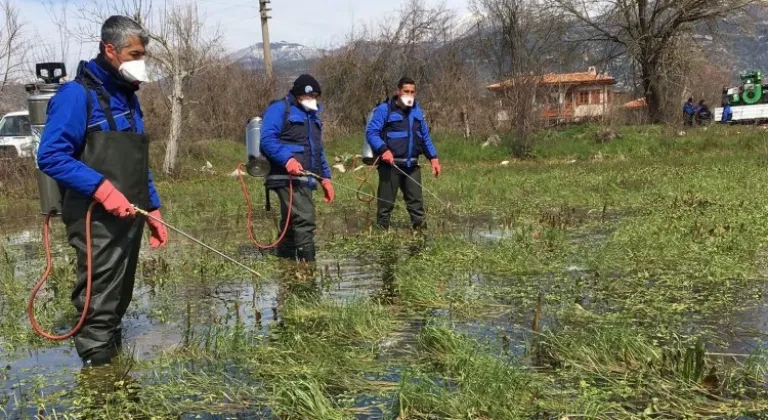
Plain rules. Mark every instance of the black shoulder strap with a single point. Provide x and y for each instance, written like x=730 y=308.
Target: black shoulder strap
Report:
x=389 y=111
x=287 y=113
x=88 y=103
x=86 y=79
x=386 y=120
x=104 y=103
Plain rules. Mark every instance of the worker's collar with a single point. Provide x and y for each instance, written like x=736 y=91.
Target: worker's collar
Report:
x=405 y=109
x=295 y=102
x=110 y=76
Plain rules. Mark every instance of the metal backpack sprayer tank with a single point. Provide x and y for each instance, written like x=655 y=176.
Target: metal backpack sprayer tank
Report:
x=367 y=154
x=37 y=101
x=255 y=163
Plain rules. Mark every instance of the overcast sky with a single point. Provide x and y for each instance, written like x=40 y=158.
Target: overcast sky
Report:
x=315 y=23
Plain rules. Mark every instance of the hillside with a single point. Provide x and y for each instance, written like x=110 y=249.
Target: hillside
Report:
x=287 y=57
x=13 y=98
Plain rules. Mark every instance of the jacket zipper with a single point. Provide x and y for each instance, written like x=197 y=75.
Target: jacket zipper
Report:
x=410 y=137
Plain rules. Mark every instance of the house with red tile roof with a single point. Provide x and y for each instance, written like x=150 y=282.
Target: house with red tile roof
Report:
x=638 y=103
x=562 y=97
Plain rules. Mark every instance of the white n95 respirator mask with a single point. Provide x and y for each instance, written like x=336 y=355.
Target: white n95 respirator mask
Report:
x=134 y=71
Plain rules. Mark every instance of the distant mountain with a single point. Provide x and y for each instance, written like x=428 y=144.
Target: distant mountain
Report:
x=284 y=54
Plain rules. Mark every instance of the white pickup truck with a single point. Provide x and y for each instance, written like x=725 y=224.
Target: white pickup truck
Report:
x=745 y=113
x=16 y=137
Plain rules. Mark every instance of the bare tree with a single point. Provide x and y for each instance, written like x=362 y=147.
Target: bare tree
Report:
x=58 y=11
x=42 y=49
x=11 y=42
x=644 y=30
x=521 y=40
x=520 y=36
x=180 y=48
x=417 y=43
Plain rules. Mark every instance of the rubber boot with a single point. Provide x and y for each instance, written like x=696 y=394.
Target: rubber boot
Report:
x=98 y=358
x=306 y=253
x=286 y=252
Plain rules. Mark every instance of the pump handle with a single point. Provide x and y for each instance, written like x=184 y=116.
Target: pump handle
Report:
x=48 y=72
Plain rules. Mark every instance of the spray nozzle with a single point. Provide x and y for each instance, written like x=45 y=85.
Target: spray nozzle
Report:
x=50 y=72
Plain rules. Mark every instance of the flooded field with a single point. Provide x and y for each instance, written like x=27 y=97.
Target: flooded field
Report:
x=633 y=286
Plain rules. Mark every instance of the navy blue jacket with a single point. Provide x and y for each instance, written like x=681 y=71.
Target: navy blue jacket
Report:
x=404 y=133
x=63 y=139
x=301 y=137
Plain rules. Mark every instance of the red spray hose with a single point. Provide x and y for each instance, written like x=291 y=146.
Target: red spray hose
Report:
x=364 y=181
x=49 y=267
x=240 y=170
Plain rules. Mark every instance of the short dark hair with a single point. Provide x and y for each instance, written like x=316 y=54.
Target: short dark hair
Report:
x=405 y=81
x=117 y=30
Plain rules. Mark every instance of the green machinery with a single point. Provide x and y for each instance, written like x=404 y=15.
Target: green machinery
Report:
x=750 y=92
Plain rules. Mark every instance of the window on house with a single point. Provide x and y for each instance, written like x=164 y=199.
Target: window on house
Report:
x=583 y=98
x=595 y=97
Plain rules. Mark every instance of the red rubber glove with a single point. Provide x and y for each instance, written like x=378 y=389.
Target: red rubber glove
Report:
x=294 y=167
x=159 y=236
x=436 y=169
x=113 y=200
x=328 y=191
x=388 y=158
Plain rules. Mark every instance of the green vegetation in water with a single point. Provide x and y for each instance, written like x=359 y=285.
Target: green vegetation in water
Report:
x=599 y=280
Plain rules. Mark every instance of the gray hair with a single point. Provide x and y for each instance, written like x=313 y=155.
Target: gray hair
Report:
x=118 y=30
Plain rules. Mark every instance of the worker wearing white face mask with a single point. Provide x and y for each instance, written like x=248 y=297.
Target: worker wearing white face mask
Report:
x=95 y=148
x=398 y=134
x=291 y=138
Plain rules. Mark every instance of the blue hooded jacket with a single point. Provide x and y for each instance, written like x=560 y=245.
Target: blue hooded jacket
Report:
x=689 y=108
x=404 y=132
x=293 y=133
x=727 y=113
x=63 y=139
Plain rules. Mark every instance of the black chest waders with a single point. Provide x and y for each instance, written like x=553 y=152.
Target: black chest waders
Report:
x=123 y=158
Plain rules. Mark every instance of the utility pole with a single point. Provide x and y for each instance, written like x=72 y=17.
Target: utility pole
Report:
x=265 y=37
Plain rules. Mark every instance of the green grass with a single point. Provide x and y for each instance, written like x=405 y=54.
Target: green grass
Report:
x=640 y=260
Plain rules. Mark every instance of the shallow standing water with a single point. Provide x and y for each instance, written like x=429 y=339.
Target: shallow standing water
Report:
x=157 y=323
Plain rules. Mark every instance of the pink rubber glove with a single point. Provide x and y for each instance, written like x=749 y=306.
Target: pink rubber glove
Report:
x=159 y=236
x=294 y=167
x=387 y=157
x=113 y=200
x=436 y=169
x=328 y=191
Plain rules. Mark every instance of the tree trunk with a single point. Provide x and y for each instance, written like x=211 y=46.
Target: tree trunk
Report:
x=465 y=119
x=653 y=96
x=177 y=105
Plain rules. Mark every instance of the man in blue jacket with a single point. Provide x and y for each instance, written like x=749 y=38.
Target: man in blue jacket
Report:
x=727 y=112
x=689 y=112
x=291 y=139
x=94 y=147
x=398 y=134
